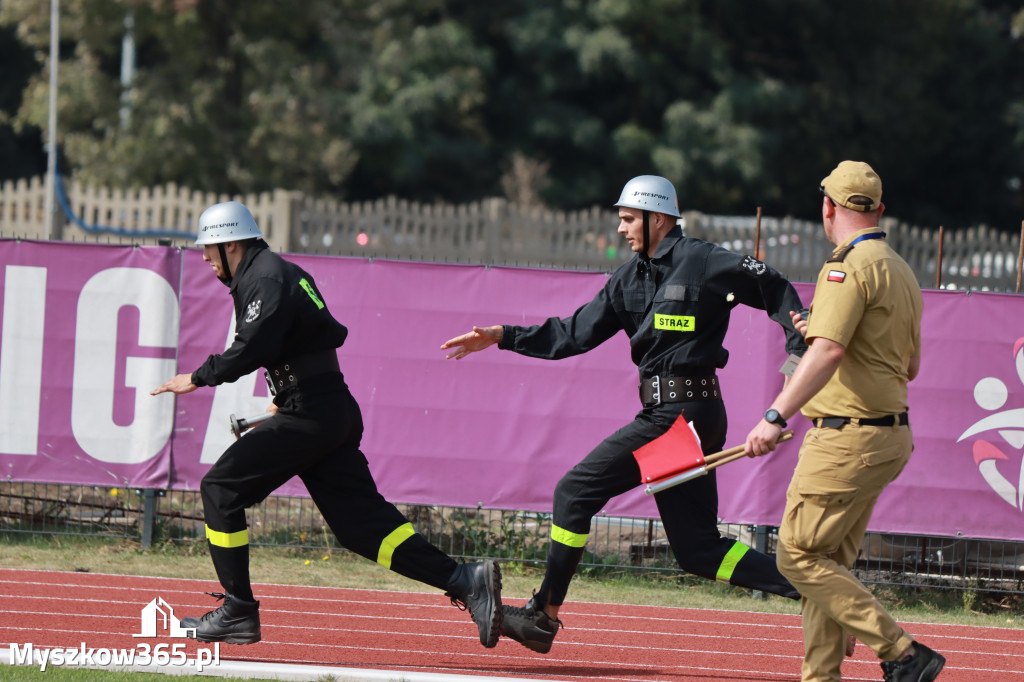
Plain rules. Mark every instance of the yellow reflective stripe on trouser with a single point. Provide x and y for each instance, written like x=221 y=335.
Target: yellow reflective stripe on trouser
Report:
x=391 y=543
x=732 y=557
x=566 y=538
x=237 y=539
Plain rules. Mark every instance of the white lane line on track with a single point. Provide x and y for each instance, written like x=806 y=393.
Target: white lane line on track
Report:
x=576 y=608
x=447 y=607
x=393 y=593
x=579 y=604
x=569 y=659
x=302 y=671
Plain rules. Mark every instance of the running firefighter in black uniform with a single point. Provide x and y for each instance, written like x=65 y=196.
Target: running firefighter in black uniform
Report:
x=284 y=325
x=673 y=299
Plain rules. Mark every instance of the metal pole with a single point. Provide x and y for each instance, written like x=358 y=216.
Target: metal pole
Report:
x=761 y=545
x=938 y=260
x=757 y=236
x=149 y=496
x=148 y=513
x=1020 y=255
x=51 y=142
x=127 y=68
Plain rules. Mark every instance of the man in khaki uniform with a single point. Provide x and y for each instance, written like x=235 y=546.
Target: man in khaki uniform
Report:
x=864 y=331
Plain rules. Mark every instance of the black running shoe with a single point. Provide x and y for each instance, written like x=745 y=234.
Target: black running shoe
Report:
x=530 y=626
x=924 y=666
x=233 y=622
x=477 y=587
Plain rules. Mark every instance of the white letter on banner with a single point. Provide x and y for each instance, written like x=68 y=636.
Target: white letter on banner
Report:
x=92 y=396
x=235 y=398
x=21 y=359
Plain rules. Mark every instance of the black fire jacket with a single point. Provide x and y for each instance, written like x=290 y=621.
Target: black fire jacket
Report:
x=675 y=309
x=279 y=314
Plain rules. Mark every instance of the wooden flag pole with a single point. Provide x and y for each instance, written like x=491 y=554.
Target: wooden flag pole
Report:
x=732 y=454
x=717 y=459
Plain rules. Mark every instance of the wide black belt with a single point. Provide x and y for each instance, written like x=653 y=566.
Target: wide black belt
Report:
x=657 y=390
x=289 y=374
x=839 y=422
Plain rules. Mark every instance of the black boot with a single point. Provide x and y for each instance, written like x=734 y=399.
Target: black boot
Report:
x=234 y=622
x=530 y=625
x=477 y=587
x=924 y=666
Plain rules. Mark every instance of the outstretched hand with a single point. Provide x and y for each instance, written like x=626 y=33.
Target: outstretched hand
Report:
x=179 y=384
x=476 y=340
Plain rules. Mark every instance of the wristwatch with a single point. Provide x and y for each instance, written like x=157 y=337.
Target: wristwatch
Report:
x=772 y=416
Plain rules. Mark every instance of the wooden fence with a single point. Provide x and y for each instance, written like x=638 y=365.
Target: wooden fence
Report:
x=165 y=214
x=491 y=231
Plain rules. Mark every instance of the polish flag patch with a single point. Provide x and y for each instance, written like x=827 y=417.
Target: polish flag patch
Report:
x=836 y=276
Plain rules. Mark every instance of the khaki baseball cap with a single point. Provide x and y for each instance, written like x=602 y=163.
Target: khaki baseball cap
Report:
x=855 y=185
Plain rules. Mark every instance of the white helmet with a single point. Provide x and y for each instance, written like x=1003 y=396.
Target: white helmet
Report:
x=226 y=222
x=650 y=193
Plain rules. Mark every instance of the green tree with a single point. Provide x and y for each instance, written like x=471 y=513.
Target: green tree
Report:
x=21 y=147
x=239 y=96
x=583 y=87
x=741 y=104
x=922 y=90
x=228 y=96
x=417 y=108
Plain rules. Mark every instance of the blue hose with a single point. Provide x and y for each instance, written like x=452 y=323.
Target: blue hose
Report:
x=106 y=229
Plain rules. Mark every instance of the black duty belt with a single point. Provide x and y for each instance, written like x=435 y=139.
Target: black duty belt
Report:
x=289 y=374
x=657 y=390
x=839 y=422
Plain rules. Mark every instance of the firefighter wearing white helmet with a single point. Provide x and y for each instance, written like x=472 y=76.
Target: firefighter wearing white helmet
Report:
x=229 y=221
x=221 y=224
x=673 y=300
x=649 y=193
x=282 y=323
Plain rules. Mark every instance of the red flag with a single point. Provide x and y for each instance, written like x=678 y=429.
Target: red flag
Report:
x=673 y=452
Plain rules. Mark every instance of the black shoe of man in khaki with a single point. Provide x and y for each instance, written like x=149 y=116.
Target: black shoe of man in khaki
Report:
x=233 y=622
x=924 y=666
x=530 y=626
x=477 y=587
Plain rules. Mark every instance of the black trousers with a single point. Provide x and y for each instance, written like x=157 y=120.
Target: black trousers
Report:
x=689 y=511
x=315 y=435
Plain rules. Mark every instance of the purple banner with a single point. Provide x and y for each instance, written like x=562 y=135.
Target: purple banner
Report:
x=966 y=476
x=89 y=330
x=86 y=331
x=495 y=429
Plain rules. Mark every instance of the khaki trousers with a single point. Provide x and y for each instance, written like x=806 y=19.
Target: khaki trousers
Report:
x=835 y=486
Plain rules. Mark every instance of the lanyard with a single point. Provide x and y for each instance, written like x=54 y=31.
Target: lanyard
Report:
x=869 y=235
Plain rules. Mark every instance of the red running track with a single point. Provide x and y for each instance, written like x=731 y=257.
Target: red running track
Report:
x=422 y=633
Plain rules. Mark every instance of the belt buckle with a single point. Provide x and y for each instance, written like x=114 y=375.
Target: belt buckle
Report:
x=656 y=386
x=270 y=384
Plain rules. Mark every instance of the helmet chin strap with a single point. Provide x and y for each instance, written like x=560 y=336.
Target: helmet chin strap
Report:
x=647 y=236
x=224 y=264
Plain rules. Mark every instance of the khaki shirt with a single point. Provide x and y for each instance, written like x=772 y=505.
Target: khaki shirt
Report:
x=867 y=299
